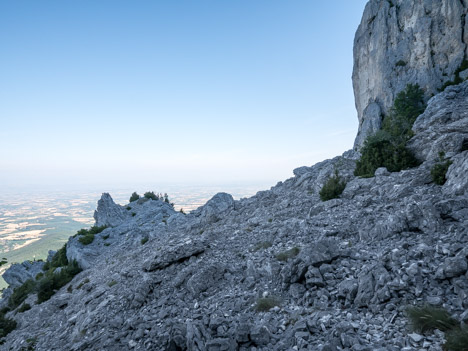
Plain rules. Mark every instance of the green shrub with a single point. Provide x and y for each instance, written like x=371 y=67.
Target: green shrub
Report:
x=54 y=281
x=144 y=240
x=457 y=79
x=427 y=318
x=24 y=307
x=457 y=340
x=86 y=236
x=6 y=325
x=332 y=188
x=439 y=170
x=151 y=195
x=58 y=260
x=86 y=239
x=401 y=63
x=112 y=283
x=134 y=197
x=21 y=293
x=286 y=255
x=3 y=262
x=387 y=147
x=267 y=303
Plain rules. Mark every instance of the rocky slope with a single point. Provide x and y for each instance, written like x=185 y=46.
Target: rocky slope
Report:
x=400 y=42
x=283 y=270
x=200 y=281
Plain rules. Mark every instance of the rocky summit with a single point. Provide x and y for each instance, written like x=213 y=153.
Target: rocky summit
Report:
x=282 y=270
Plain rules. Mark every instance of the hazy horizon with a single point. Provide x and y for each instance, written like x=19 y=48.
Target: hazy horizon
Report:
x=121 y=94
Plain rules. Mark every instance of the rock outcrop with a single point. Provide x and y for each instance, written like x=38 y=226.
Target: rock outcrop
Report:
x=108 y=213
x=17 y=274
x=400 y=42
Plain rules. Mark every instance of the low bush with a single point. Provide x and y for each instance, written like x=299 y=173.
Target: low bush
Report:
x=21 y=293
x=457 y=340
x=134 y=197
x=332 y=188
x=286 y=255
x=427 y=318
x=6 y=325
x=47 y=283
x=457 y=79
x=387 y=147
x=58 y=260
x=24 y=307
x=86 y=239
x=151 y=195
x=144 y=240
x=54 y=281
x=439 y=170
x=86 y=236
x=401 y=63
x=266 y=303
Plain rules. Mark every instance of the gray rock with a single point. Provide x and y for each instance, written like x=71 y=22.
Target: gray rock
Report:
x=452 y=267
x=18 y=273
x=108 y=213
x=402 y=42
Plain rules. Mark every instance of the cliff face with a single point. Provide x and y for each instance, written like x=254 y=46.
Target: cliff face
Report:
x=400 y=42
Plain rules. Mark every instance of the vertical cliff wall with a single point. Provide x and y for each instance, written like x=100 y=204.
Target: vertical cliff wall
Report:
x=405 y=41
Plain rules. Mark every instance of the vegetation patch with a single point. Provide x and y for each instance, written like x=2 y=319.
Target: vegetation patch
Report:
x=86 y=236
x=401 y=63
x=263 y=245
x=53 y=281
x=457 y=340
x=427 y=318
x=144 y=240
x=457 y=79
x=24 y=307
x=7 y=325
x=266 y=303
x=387 y=148
x=286 y=255
x=21 y=293
x=57 y=273
x=112 y=283
x=161 y=197
x=439 y=170
x=333 y=188
x=134 y=197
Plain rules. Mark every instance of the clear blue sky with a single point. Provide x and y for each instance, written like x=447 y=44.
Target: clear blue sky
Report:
x=123 y=92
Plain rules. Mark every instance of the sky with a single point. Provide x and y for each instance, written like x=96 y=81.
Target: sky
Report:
x=176 y=91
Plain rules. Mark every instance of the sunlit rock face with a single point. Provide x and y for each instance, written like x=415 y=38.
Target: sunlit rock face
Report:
x=108 y=213
x=400 y=42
